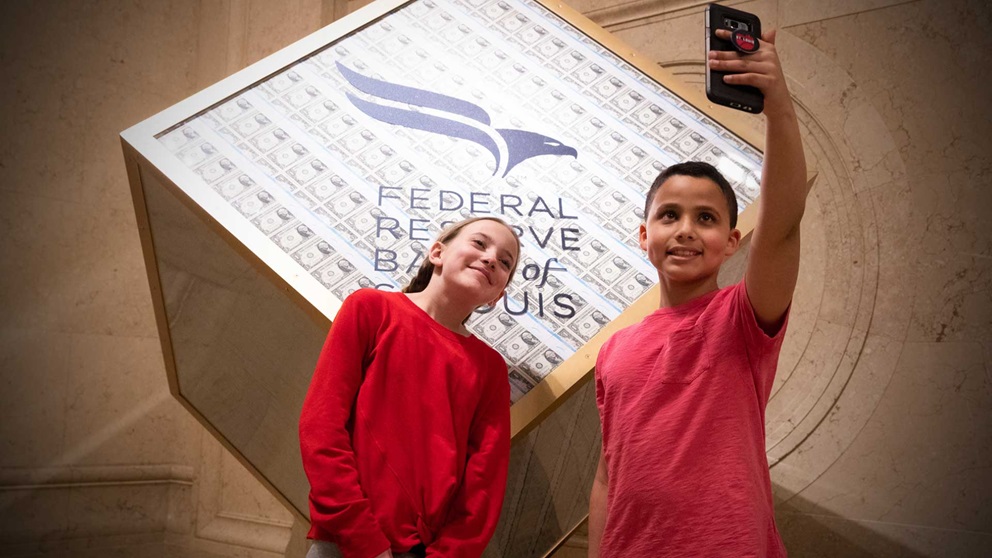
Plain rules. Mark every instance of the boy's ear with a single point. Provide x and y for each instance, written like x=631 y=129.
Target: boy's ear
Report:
x=434 y=254
x=733 y=243
x=642 y=236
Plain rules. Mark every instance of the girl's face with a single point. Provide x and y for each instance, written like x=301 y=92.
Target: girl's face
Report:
x=477 y=261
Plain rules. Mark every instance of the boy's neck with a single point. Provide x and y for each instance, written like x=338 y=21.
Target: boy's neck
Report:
x=675 y=293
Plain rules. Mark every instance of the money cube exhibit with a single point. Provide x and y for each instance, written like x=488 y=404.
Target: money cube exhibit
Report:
x=330 y=166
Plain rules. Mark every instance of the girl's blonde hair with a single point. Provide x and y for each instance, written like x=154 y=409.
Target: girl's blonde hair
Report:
x=426 y=271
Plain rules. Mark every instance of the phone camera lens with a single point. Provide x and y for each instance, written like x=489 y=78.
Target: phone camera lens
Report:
x=736 y=25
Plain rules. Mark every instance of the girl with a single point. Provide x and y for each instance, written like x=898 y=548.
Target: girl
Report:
x=405 y=429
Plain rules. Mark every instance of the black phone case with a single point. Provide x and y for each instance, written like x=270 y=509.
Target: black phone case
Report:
x=740 y=97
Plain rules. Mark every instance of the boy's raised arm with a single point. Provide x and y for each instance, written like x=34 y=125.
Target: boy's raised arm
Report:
x=773 y=262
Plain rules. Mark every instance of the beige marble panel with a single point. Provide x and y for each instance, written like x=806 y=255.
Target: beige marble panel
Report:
x=642 y=13
x=119 y=409
x=954 y=300
x=933 y=263
x=873 y=150
x=230 y=508
x=824 y=446
x=796 y=12
x=33 y=398
x=240 y=496
x=153 y=547
x=116 y=510
x=858 y=260
x=73 y=268
x=844 y=313
x=233 y=34
x=76 y=69
x=827 y=536
x=71 y=507
x=946 y=146
x=273 y=25
x=31 y=517
x=923 y=457
x=69 y=228
x=82 y=380
x=678 y=37
x=809 y=285
x=59 y=511
x=897 y=239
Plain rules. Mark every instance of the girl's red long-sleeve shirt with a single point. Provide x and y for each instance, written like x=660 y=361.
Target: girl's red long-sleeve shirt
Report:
x=404 y=433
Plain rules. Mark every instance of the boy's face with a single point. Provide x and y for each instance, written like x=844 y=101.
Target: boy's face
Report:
x=687 y=234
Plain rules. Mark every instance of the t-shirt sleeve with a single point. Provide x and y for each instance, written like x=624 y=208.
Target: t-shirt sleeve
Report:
x=476 y=507
x=339 y=510
x=762 y=349
x=599 y=373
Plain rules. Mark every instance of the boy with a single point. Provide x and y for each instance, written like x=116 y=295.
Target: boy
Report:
x=682 y=394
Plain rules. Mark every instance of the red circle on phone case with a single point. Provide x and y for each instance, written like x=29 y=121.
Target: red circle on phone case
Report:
x=744 y=42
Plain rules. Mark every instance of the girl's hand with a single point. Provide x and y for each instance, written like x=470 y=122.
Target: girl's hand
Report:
x=386 y=554
x=761 y=69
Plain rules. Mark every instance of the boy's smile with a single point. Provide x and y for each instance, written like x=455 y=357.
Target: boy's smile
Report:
x=681 y=252
x=687 y=234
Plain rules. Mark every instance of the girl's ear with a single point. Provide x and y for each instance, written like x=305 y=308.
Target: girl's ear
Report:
x=434 y=254
x=496 y=300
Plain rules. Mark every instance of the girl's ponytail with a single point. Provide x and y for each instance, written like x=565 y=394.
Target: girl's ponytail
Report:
x=423 y=276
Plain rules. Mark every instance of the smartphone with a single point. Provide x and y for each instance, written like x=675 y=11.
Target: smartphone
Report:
x=740 y=97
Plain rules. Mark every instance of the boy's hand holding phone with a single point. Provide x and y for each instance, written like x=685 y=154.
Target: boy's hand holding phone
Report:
x=761 y=70
x=773 y=259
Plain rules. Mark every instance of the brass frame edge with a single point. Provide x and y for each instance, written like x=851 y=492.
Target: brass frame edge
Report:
x=131 y=157
x=133 y=161
x=564 y=538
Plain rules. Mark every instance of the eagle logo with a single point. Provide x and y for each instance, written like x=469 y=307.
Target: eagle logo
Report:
x=452 y=117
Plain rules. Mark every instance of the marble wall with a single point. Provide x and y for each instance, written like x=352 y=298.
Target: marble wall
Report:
x=879 y=424
x=96 y=457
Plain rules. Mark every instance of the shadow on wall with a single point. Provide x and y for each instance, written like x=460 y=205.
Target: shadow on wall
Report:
x=810 y=531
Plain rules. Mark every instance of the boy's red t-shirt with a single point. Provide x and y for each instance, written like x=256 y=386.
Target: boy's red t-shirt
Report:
x=405 y=433
x=682 y=400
